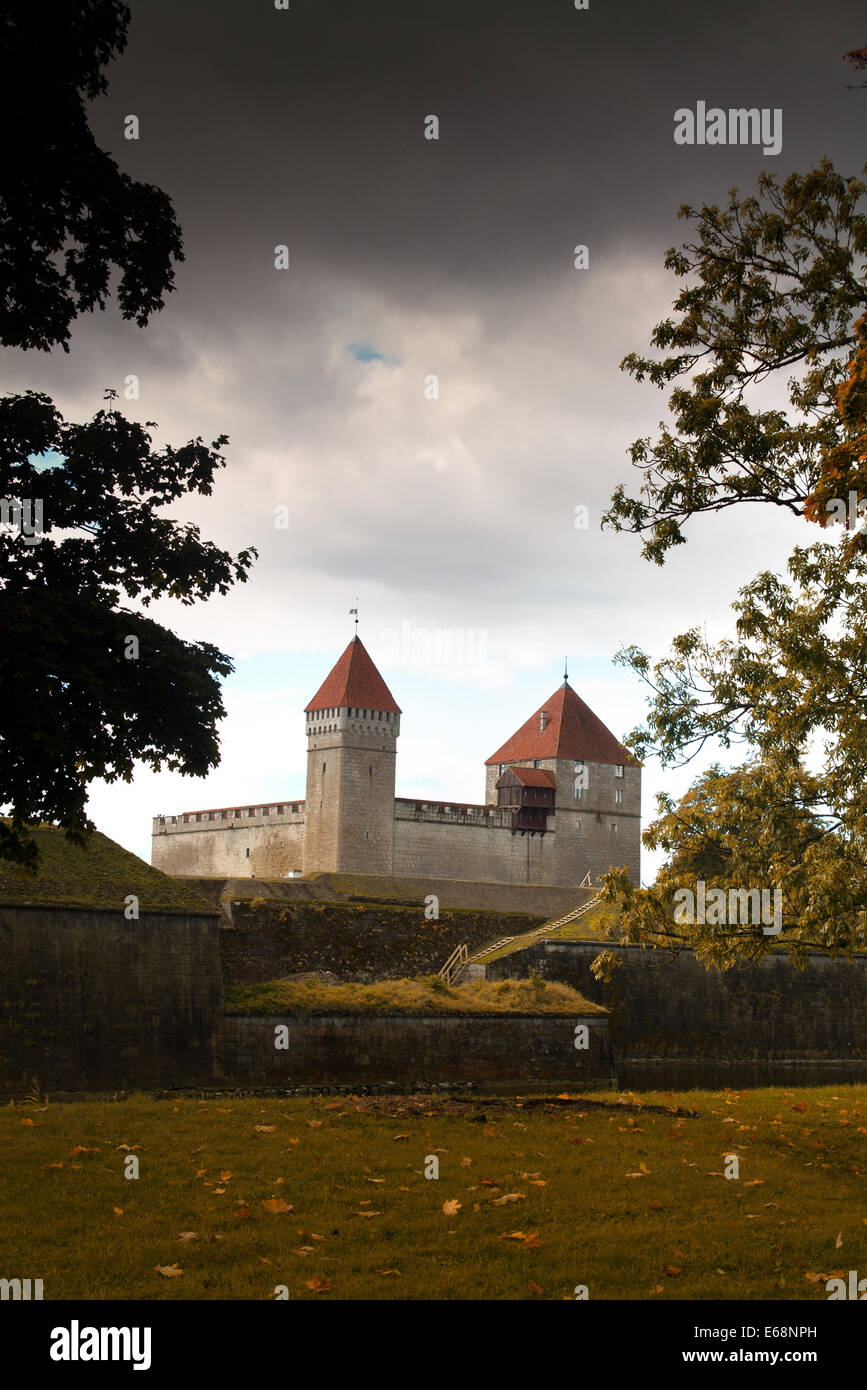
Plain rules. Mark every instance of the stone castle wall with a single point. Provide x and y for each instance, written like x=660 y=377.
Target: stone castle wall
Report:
x=92 y=1001
x=214 y=844
x=335 y=1050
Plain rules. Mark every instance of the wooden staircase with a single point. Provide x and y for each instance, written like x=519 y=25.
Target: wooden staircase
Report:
x=459 y=961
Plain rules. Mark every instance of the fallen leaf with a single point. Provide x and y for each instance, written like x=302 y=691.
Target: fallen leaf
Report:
x=276 y=1206
x=452 y=1207
x=169 y=1271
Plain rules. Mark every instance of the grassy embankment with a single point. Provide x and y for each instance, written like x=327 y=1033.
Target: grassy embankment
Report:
x=422 y=995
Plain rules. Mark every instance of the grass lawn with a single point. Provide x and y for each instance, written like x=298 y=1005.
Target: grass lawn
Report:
x=625 y=1195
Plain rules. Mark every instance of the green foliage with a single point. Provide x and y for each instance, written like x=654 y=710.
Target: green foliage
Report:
x=90 y=711
x=70 y=218
x=775 y=283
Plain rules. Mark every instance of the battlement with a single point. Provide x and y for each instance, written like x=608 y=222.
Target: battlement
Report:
x=450 y=813
x=231 y=818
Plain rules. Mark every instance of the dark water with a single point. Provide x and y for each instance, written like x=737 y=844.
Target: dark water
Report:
x=684 y=1073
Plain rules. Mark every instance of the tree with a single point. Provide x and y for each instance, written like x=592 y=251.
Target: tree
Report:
x=87 y=685
x=780 y=285
x=756 y=828
x=68 y=215
x=858 y=58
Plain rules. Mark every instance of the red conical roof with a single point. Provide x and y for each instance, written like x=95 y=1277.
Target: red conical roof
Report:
x=572 y=731
x=354 y=681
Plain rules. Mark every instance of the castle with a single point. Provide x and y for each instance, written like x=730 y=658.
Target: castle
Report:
x=562 y=800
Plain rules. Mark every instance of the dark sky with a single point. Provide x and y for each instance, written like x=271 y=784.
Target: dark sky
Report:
x=455 y=257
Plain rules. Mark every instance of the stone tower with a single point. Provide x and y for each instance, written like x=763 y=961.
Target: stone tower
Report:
x=596 y=783
x=352 y=728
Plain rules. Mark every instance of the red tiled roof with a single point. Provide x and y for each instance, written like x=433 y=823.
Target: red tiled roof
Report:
x=354 y=681
x=572 y=731
x=533 y=776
